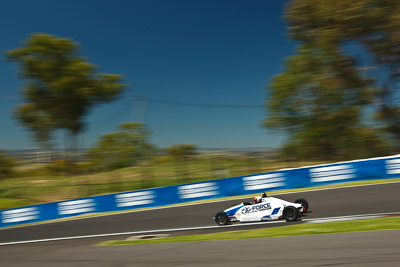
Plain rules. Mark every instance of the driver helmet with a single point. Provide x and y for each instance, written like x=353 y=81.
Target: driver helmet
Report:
x=257 y=199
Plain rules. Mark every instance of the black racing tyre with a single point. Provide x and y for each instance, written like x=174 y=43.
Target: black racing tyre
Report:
x=303 y=202
x=221 y=218
x=290 y=213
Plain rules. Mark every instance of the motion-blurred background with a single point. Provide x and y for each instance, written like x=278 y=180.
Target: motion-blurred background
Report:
x=100 y=97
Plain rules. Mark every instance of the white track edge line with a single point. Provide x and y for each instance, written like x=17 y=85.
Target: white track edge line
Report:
x=185 y=229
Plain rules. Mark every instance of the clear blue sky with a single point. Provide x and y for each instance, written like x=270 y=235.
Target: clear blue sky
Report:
x=198 y=51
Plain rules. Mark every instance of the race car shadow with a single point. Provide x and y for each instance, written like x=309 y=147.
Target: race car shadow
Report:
x=304 y=215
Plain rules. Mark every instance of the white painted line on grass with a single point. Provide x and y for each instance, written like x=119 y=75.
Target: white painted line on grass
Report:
x=344 y=219
x=360 y=216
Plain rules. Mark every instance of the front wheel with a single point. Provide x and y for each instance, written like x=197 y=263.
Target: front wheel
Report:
x=290 y=213
x=303 y=202
x=221 y=218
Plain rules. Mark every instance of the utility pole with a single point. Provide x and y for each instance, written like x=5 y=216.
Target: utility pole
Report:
x=138 y=98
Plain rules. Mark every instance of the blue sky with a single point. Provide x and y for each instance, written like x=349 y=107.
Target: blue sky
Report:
x=197 y=51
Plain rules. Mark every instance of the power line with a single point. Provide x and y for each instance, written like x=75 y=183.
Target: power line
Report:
x=203 y=105
x=124 y=109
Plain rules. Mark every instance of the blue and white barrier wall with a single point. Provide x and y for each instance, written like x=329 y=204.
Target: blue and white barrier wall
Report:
x=375 y=168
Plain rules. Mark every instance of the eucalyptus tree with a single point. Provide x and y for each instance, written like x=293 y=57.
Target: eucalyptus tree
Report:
x=368 y=31
x=347 y=64
x=60 y=86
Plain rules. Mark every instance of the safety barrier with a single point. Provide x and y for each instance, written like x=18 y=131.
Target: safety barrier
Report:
x=375 y=168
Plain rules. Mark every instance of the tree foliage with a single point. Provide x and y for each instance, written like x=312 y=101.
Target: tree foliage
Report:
x=7 y=165
x=366 y=29
x=321 y=97
x=318 y=100
x=182 y=152
x=123 y=148
x=60 y=87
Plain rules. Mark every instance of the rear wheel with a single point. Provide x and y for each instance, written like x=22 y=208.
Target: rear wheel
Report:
x=303 y=202
x=221 y=218
x=290 y=213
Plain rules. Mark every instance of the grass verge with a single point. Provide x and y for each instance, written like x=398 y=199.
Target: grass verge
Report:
x=9 y=203
x=42 y=184
x=387 y=223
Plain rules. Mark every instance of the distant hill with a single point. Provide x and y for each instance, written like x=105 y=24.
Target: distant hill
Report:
x=29 y=156
x=247 y=151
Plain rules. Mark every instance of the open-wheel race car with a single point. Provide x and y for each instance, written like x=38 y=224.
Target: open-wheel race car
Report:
x=263 y=208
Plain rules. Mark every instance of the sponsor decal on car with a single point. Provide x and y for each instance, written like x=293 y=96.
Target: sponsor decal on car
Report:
x=264 y=181
x=392 y=166
x=76 y=206
x=135 y=199
x=332 y=173
x=198 y=190
x=20 y=215
x=255 y=208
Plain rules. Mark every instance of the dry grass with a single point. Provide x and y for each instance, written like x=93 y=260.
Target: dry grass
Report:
x=35 y=186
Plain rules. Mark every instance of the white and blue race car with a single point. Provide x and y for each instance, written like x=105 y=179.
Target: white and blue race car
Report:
x=263 y=208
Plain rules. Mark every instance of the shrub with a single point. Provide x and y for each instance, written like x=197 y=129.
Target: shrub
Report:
x=64 y=166
x=7 y=165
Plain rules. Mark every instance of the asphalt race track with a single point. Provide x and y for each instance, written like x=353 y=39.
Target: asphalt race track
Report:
x=326 y=203
x=350 y=249
x=379 y=248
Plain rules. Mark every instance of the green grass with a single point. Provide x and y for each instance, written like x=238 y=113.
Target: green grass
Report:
x=389 y=223
x=8 y=203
